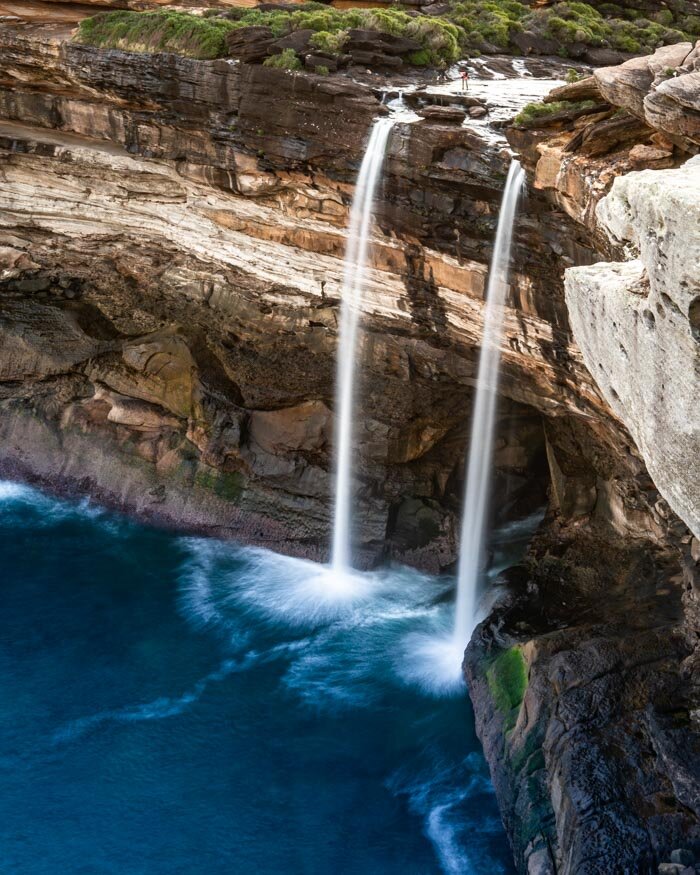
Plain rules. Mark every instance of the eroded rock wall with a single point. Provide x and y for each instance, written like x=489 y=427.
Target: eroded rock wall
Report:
x=196 y=210
x=638 y=324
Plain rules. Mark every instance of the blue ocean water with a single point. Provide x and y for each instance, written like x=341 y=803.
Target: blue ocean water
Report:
x=181 y=705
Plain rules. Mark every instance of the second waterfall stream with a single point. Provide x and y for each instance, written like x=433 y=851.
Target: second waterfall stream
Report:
x=354 y=274
x=475 y=509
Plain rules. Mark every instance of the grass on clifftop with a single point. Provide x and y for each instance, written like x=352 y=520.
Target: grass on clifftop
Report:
x=569 y=25
x=204 y=37
x=161 y=31
x=468 y=26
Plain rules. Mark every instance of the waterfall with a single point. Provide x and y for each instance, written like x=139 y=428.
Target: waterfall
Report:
x=353 y=286
x=474 y=513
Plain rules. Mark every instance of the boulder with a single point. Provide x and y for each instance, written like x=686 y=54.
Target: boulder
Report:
x=674 y=106
x=584 y=89
x=682 y=855
x=382 y=43
x=375 y=60
x=313 y=62
x=532 y=44
x=449 y=115
x=607 y=134
x=250 y=44
x=477 y=111
x=628 y=84
x=298 y=41
x=643 y=157
x=600 y=57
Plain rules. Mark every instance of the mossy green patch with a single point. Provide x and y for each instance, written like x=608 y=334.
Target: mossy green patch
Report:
x=534 y=112
x=228 y=485
x=507 y=681
x=204 y=36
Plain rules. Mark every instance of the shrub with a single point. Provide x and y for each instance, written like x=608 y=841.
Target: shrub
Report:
x=322 y=70
x=331 y=43
x=572 y=76
x=420 y=58
x=286 y=60
x=161 y=31
x=534 y=111
x=467 y=26
x=488 y=24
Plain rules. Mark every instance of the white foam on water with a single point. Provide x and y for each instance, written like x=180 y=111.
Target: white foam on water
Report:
x=220 y=579
x=166 y=706
x=442 y=795
x=17 y=496
x=360 y=657
x=10 y=491
x=301 y=593
x=433 y=663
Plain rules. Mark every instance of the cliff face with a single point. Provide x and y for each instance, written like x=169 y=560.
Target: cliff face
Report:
x=584 y=679
x=637 y=324
x=179 y=225
x=171 y=244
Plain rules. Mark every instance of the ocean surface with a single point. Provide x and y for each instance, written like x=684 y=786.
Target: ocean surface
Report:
x=182 y=705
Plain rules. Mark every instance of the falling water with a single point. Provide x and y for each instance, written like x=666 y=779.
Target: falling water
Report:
x=472 y=540
x=353 y=286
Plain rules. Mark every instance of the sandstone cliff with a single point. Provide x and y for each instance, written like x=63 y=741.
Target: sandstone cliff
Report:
x=171 y=243
x=195 y=212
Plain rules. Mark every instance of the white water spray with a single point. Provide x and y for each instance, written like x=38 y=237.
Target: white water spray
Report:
x=353 y=286
x=474 y=513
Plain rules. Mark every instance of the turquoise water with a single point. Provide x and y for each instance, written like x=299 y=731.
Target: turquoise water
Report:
x=178 y=705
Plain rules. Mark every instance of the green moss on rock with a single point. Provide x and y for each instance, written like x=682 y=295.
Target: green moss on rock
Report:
x=227 y=485
x=507 y=681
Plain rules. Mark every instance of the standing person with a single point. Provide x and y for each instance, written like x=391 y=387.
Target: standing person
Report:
x=465 y=80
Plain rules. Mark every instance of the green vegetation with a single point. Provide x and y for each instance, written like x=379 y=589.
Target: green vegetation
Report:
x=494 y=23
x=162 y=31
x=286 y=60
x=507 y=680
x=572 y=76
x=533 y=112
x=331 y=43
x=228 y=485
x=321 y=70
x=491 y=23
x=205 y=36
x=467 y=27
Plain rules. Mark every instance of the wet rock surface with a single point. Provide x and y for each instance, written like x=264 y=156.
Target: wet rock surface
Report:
x=585 y=702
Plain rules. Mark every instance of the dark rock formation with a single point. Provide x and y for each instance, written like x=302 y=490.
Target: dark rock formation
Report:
x=583 y=688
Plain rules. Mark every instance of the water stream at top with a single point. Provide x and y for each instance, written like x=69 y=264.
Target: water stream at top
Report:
x=474 y=514
x=353 y=286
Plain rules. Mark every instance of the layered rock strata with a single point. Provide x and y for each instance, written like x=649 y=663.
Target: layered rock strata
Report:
x=171 y=240
x=196 y=211
x=584 y=679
